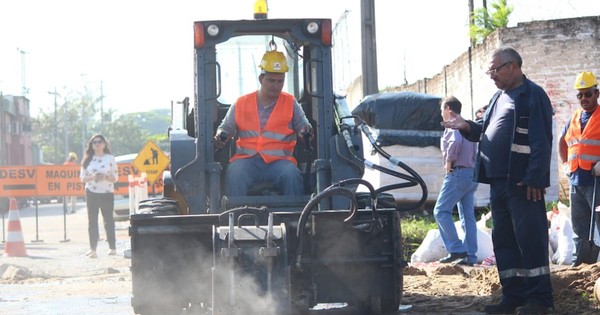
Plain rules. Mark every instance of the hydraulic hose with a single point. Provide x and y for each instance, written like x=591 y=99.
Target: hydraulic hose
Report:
x=328 y=192
x=355 y=162
x=412 y=179
x=372 y=195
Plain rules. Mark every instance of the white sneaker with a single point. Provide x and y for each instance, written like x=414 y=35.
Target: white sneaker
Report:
x=112 y=252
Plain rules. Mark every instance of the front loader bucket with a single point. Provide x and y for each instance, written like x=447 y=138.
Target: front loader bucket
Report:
x=171 y=262
x=355 y=262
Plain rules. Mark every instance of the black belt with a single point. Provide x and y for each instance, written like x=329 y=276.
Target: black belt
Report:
x=458 y=167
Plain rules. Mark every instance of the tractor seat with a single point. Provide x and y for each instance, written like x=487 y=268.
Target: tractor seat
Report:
x=264 y=188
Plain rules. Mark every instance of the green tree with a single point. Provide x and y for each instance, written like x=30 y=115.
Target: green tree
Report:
x=69 y=128
x=156 y=122
x=483 y=23
x=126 y=135
x=59 y=131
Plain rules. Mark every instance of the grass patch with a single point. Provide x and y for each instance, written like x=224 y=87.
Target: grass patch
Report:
x=414 y=229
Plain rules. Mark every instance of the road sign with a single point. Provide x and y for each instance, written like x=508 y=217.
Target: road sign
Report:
x=17 y=181
x=152 y=161
x=40 y=180
x=126 y=169
x=59 y=180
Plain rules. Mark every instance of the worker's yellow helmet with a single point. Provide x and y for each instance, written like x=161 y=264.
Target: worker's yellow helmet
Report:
x=274 y=61
x=585 y=80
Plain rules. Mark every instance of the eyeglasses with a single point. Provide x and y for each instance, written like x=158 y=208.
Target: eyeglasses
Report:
x=587 y=94
x=97 y=142
x=495 y=70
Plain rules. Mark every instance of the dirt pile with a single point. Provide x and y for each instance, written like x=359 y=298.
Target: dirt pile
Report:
x=446 y=289
x=574 y=289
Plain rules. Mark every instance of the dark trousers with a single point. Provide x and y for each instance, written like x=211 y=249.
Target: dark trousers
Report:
x=520 y=239
x=106 y=204
x=581 y=213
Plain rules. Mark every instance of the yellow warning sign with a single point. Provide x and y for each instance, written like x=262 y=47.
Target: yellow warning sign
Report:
x=152 y=161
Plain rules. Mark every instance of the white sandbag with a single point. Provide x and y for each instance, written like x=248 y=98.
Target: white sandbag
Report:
x=431 y=249
x=561 y=240
x=482 y=223
x=485 y=248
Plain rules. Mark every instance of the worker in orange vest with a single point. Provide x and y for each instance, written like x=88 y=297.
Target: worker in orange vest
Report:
x=267 y=123
x=579 y=151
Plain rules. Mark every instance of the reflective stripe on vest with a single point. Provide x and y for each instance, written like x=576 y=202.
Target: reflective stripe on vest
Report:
x=276 y=141
x=583 y=148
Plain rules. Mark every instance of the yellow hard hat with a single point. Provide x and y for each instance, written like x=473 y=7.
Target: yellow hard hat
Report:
x=585 y=80
x=72 y=155
x=274 y=61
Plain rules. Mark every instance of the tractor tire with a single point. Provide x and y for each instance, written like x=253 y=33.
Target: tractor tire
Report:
x=161 y=206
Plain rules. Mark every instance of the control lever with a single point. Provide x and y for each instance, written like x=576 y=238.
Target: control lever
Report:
x=307 y=144
x=308 y=149
x=223 y=136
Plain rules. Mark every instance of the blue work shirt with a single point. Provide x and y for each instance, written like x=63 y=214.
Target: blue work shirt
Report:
x=496 y=141
x=531 y=140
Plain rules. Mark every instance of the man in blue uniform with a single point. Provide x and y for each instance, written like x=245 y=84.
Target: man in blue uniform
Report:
x=515 y=147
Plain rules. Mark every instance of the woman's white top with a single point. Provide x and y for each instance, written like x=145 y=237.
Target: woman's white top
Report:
x=105 y=165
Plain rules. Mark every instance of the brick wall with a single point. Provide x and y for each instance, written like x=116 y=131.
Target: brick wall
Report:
x=553 y=52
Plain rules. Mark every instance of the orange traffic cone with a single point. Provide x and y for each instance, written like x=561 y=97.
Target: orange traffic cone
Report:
x=15 y=246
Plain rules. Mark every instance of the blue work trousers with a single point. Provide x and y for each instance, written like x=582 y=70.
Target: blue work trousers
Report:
x=458 y=189
x=243 y=173
x=520 y=239
x=581 y=213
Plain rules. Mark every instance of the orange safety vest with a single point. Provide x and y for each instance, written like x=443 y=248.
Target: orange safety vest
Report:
x=276 y=141
x=584 y=148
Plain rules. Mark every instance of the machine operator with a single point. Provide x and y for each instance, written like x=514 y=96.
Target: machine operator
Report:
x=267 y=123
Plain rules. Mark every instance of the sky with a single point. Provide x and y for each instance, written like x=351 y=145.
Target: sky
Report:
x=139 y=54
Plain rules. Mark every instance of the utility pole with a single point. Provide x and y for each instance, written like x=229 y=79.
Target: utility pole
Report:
x=471 y=9
x=66 y=122
x=369 y=47
x=3 y=149
x=55 y=125
x=101 y=107
x=83 y=131
x=24 y=89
